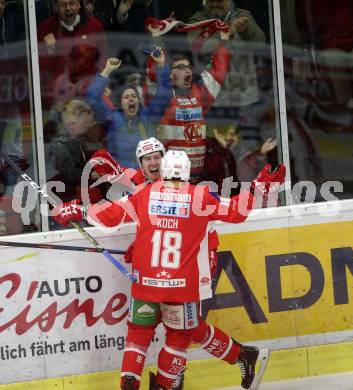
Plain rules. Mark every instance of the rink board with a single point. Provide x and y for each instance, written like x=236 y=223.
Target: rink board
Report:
x=64 y=313
x=286 y=282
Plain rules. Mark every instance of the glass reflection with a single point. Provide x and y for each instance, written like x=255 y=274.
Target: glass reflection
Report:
x=318 y=39
x=16 y=127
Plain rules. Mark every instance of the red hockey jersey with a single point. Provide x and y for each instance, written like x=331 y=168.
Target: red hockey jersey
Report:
x=170 y=257
x=213 y=240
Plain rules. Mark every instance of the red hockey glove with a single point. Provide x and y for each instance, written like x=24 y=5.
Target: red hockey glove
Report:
x=111 y=171
x=69 y=212
x=95 y=195
x=138 y=177
x=268 y=181
x=104 y=164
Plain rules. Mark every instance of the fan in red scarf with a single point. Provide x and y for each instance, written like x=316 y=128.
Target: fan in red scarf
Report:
x=207 y=28
x=183 y=125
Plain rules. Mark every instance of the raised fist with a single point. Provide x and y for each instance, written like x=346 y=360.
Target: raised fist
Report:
x=50 y=42
x=111 y=65
x=158 y=56
x=223 y=29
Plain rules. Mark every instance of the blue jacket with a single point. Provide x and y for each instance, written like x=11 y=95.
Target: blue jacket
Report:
x=123 y=135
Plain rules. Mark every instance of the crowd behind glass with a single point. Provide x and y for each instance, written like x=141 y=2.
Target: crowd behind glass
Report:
x=90 y=100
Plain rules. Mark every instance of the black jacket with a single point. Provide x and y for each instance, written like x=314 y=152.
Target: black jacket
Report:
x=7 y=32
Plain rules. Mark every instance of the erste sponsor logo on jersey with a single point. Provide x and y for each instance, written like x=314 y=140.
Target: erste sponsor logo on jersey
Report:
x=188 y=114
x=163 y=283
x=171 y=209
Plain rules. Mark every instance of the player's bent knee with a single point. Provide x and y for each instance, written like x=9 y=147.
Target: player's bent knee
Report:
x=141 y=335
x=201 y=333
x=178 y=339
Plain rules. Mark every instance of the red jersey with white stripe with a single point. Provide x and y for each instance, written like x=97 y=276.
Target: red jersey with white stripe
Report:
x=213 y=240
x=183 y=125
x=170 y=256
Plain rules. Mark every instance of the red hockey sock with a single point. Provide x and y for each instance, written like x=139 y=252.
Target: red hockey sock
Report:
x=170 y=363
x=137 y=342
x=220 y=345
x=172 y=357
x=133 y=361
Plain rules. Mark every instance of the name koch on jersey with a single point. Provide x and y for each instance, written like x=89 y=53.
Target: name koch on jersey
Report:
x=171 y=209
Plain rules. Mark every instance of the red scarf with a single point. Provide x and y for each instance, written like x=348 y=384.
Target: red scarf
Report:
x=207 y=28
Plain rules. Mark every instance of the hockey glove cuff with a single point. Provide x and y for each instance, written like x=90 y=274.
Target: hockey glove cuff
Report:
x=69 y=212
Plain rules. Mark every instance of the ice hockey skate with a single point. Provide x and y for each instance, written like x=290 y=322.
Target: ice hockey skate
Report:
x=177 y=385
x=179 y=381
x=129 y=383
x=153 y=385
x=247 y=360
x=262 y=360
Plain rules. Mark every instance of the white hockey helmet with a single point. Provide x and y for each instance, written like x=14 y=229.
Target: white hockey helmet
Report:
x=148 y=146
x=175 y=165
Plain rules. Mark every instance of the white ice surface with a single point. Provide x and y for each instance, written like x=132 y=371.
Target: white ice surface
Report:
x=325 y=382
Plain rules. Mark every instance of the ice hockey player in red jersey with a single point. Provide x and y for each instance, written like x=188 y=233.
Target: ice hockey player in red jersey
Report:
x=169 y=260
x=149 y=153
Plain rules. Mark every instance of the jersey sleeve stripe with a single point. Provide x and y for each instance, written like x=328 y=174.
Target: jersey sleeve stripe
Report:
x=212 y=85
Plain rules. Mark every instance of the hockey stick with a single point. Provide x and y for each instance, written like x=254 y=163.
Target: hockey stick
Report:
x=58 y=247
x=79 y=228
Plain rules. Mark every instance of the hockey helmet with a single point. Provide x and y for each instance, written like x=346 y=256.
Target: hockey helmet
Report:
x=175 y=165
x=148 y=146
